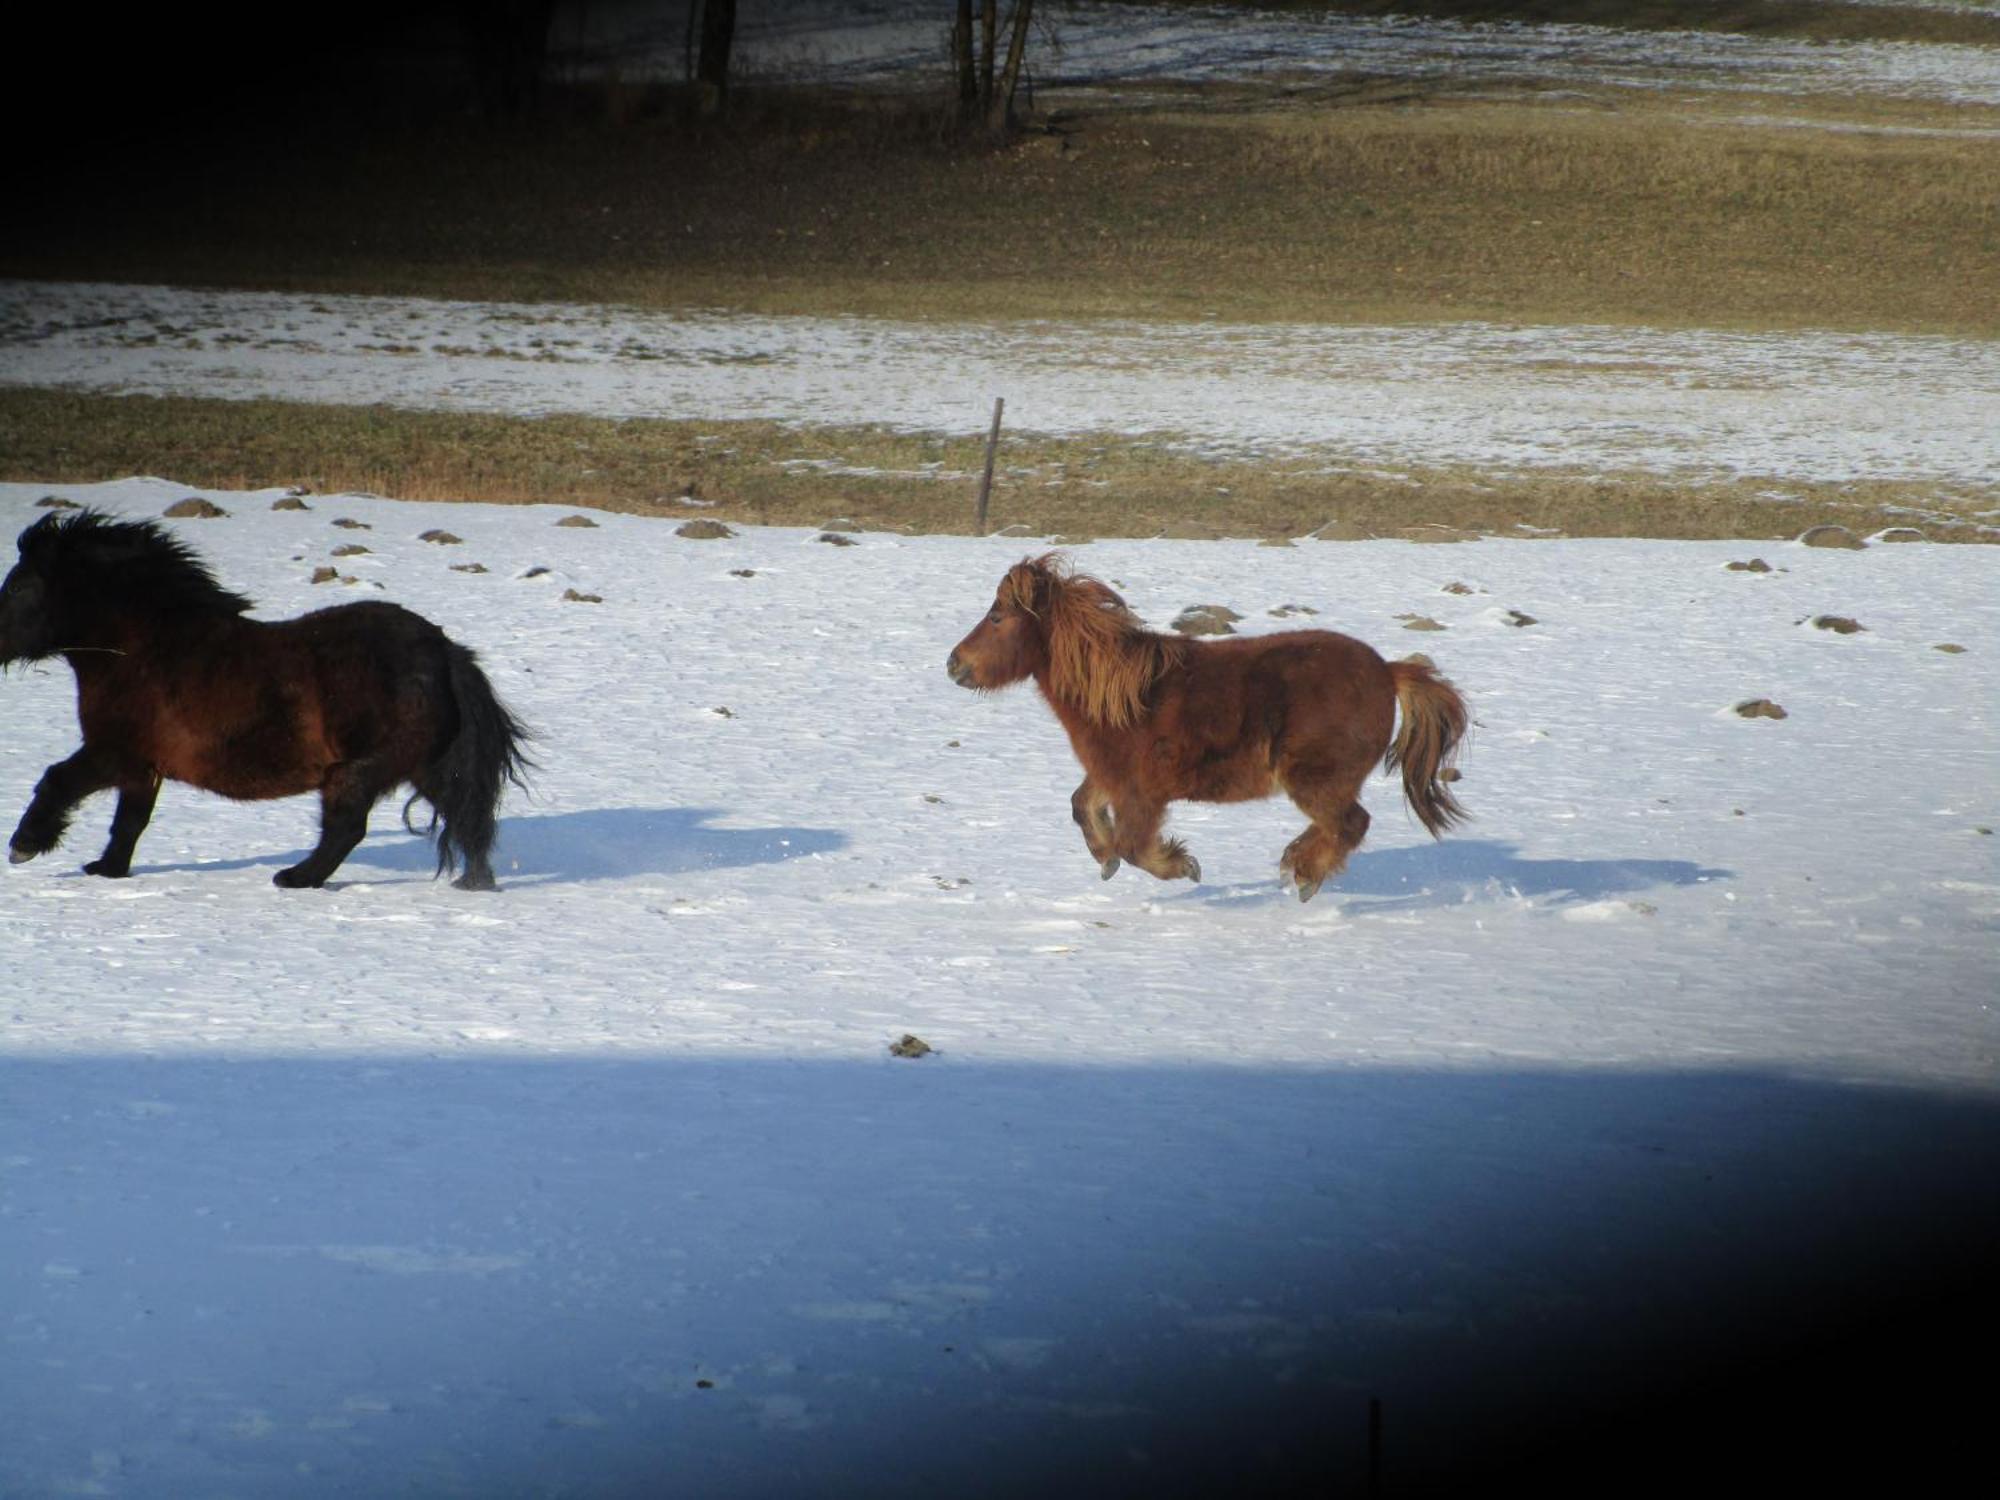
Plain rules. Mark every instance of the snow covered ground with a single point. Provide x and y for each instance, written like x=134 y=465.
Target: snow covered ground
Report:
x=1701 y=403
x=877 y=42
x=608 y=1184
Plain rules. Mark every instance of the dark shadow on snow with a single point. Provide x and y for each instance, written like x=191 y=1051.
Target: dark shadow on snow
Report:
x=1458 y=871
x=598 y=844
x=339 y=1275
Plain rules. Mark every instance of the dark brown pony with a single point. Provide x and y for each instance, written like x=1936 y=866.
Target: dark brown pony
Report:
x=173 y=682
x=1157 y=719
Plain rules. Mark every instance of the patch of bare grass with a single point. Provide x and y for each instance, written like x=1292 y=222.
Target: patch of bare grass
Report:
x=1224 y=203
x=764 y=473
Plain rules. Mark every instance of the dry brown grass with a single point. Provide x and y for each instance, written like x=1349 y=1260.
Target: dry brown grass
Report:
x=764 y=473
x=1360 y=201
x=1215 y=203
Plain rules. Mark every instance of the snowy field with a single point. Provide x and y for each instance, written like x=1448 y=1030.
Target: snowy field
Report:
x=1812 y=406
x=877 y=42
x=608 y=1184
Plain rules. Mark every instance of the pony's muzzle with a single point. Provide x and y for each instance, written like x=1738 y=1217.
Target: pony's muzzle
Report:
x=955 y=667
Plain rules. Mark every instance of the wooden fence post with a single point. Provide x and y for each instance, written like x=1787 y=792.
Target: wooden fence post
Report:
x=986 y=479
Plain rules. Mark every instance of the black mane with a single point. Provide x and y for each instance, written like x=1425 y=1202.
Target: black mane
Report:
x=127 y=565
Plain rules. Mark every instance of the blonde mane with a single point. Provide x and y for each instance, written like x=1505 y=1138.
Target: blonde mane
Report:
x=1102 y=660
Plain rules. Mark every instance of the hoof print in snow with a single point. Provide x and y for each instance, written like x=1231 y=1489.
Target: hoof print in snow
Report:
x=702 y=530
x=1417 y=658
x=742 y=572
x=1515 y=617
x=574 y=520
x=1899 y=534
x=195 y=507
x=1950 y=648
x=55 y=502
x=1420 y=622
x=1286 y=611
x=1459 y=588
x=723 y=711
x=325 y=575
x=350 y=549
x=836 y=539
x=1838 y=624
x=1754 y=565
x=538 y=571
x=1207 y=619
x=348 y=523
x=1831 y=536
x=468 y=567
x=571 y=596
x=1760 y=708
x=439 y=538
x=910 y=1046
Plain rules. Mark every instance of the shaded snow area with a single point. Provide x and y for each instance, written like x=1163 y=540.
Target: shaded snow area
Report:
x=1791 y=406
x=1647 y=1128
x=878 y=42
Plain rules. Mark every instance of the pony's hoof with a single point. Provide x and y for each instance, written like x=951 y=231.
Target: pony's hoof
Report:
x=1307 y=890
x=1109 y=868
x=295 y=879
x=474 y=881
x=16 y=855
x=1193 y=870
x=108 y=870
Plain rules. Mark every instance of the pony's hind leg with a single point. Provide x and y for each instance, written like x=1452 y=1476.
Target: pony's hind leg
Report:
x=467 y=833
x=62 y=786
x=135 y=810
x=1136 y=837
x=1339 y=824
x=1090 y=806
x=345 y=798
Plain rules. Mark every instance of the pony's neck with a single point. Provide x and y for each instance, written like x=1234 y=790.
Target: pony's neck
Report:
x=1106 y=684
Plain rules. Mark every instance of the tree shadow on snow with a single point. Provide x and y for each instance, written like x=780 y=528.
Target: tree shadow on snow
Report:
x=764 y=1276
x=597 y=844
x=1461 y=871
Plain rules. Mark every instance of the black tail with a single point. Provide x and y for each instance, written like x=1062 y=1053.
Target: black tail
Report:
x=464 y=784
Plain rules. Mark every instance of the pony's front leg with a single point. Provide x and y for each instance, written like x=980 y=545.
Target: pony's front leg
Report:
x=344 y=800
x=62 y=786
x=1136 y=836
x=135 y=811
x=1089 y=805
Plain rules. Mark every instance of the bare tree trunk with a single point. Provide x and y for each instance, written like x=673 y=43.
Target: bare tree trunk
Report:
x=989 y=16
x=718 y=32
x=1000 y=107
x=961 y=58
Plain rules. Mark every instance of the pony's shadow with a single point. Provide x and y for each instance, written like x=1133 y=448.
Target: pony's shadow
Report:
x=598 y=844
x=1461 y=871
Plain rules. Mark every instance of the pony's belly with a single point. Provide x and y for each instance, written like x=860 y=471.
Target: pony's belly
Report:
x=1246 y=778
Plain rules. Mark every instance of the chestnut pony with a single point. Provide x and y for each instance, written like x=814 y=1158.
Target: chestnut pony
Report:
x=172 y=681
x=1157 y=719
